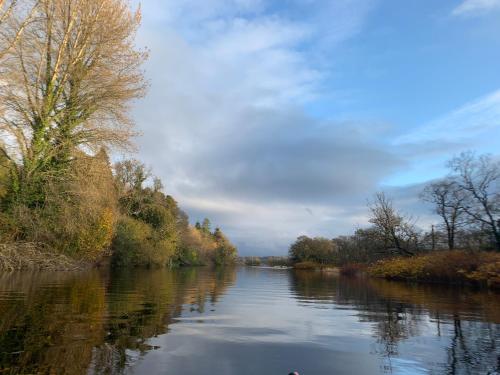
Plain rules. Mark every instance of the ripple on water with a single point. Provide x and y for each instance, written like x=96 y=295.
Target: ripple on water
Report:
x=243 y=321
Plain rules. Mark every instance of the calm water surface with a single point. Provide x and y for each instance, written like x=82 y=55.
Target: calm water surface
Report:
x=241 y=321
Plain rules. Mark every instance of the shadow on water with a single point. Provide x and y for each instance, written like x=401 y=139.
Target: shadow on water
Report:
x=465 y=321
x=95 y=321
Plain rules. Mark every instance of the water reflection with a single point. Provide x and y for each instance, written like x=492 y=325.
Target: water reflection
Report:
x=246 y=321
x=67 y=323
x=463 y=321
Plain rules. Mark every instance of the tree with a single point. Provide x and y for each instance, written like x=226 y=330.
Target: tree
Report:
x=218 y=235
x=130 y=175
x=10 y=27
x=67 y=86
x=151 y=225
x=206 y=226
x=225 y=251
x=397 y=231
x=318 y=249
x=157 y=185
x=448 y=199
x=478 y=177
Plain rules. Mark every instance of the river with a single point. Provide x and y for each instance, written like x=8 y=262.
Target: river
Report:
x=242 y=321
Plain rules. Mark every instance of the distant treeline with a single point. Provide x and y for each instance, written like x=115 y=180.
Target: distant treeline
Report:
x=467 y=201
x=270 y=261
x=68 y=72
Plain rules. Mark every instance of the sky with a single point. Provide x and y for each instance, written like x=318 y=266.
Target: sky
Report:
x=281 y=118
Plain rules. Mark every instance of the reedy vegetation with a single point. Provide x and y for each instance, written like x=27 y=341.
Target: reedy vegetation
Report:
x=69 y=70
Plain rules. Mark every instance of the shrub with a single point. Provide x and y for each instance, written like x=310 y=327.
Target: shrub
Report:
x=189 y=257
x=447 y=266
x=9 y=230
x=77 y=218
x=132 y=238
x=488 y=270
x=135 y=244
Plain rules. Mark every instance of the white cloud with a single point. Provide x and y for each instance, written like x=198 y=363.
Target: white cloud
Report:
x=269 y=228
x=466 y=125
x=224 y=124
x=224 y=118
x=427 y=148
x=473 y=7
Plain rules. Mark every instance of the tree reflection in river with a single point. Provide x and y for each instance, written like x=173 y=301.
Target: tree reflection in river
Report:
x=63 y=323
x=143 y=306
x=50 y=322
x=466 y=319
x=101 y=322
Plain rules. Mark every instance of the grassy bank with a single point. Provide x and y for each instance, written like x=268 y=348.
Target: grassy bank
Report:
x=451 y=267
x=307 y=265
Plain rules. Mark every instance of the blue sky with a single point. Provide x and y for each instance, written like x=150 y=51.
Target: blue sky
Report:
x=281 y=118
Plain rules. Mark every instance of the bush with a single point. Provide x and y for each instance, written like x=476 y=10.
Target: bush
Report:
x=459 y=267
x=9 y=230
x=135 y=244
x=189 y=257
x=77 y=218
x=132 y=238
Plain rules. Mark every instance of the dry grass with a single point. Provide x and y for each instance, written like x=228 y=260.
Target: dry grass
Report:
x=308 y=265
x=31 y=256
x=456 y=267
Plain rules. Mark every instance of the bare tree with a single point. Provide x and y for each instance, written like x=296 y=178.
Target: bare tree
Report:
x=12 y=27
x=479 y=178
x=68 y=83
x=398 y=232
x=6 y=11
x=448 y=199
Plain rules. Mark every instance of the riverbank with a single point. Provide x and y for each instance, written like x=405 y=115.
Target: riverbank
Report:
x=314 y=266
x=28 y=256
x=446 y=267
x=32 y=256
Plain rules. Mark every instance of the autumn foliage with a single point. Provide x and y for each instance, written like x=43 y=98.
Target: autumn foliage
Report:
x=68 y=73
x=462 y=267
